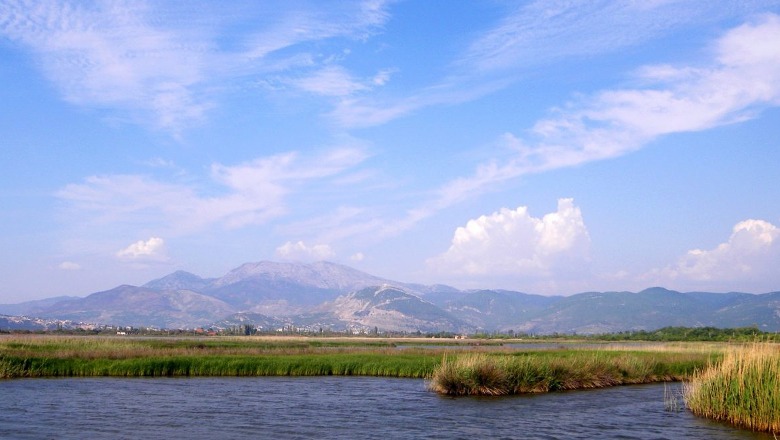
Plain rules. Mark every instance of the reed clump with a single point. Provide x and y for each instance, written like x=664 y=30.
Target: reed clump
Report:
x=744 y=389
x=502 y=374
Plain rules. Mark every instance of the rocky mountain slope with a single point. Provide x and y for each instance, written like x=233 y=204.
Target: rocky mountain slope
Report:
x=337 y=297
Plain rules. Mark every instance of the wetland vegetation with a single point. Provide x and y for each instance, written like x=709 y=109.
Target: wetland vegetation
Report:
x=743 y=389
x=60 y=356
x=734 y=382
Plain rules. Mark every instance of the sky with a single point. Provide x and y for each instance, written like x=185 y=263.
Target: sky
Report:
x=549 y=147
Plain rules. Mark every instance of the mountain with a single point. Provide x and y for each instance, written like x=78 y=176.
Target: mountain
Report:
x=393 y=309
x=179 y=280
x=330 y=296
x=492 y=309
x=32 y=308
x=606 y=312
x=142 y=307
x=283 y=289
x=762 y=311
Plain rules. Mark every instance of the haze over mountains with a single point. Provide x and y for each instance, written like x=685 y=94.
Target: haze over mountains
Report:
x=325 y=295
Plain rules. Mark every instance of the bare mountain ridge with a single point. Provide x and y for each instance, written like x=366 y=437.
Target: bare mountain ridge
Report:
x=335 y=296
x=394 y=309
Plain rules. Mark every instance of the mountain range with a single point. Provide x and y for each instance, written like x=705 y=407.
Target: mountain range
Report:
x=324 y=295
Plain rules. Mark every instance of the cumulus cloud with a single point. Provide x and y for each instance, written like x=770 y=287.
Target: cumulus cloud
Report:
x=69 y=265
x=359 y=256
x=514 y=243
x=151 y=249
x=749 y=258
x=300 y=251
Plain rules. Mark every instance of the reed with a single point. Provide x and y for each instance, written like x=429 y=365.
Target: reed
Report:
x=58 y=356
x=744 y=389
x=486 y=370
x=500 y=374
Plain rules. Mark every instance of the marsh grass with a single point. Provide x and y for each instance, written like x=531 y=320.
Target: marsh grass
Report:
x=486 y=370
x=67 y=356
x=537 y=372
x=743 y=389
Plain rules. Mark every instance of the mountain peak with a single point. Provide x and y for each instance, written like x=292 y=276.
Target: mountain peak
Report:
x=179 y=280
x=322 y=274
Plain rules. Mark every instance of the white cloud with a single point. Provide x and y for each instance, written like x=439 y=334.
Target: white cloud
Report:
x=513 y=243
x=542 y=31
x=538 y=33
x=152 y=249
x=358 y=257
x=742 y=79
x=110 y=55
x=244 y=194
x=69 y=265
x=749 y=258
x=300 y=251
x=162 y=64
x=330 y=81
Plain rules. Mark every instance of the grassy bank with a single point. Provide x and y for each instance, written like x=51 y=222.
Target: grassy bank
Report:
x=476 y=370
x=502 y=373
x=66 y=356
x=744 y=389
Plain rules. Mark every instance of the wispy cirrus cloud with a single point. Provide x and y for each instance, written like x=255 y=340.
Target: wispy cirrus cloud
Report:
x=110 y=55
x=741 y=79
x=543 y=31
x=538 y=33
x=245 y=194
x=158 y=64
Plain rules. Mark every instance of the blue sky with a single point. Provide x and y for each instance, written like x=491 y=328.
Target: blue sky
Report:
x=549 y=147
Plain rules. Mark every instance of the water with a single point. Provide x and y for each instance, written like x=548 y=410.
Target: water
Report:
x=332 y=407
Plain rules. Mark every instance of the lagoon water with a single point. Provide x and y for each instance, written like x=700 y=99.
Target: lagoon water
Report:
x=332 y=407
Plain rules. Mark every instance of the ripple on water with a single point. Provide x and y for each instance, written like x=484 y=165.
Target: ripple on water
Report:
x=332 y=407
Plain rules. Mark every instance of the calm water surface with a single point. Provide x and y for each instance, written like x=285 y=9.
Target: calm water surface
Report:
x=332 y=407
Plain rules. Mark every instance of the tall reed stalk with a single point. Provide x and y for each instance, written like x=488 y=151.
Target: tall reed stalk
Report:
x=743 y=390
